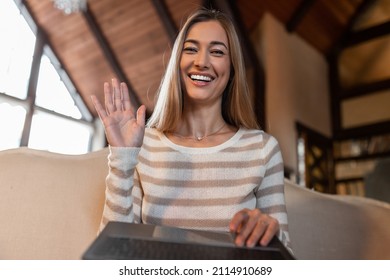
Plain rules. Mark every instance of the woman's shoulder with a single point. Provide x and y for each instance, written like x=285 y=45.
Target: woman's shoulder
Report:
x=152 y=133
x=257 y=135
x=260 y=142
x=150 y=130
x=153 y=137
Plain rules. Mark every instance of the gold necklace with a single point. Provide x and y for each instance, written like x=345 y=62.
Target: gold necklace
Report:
x=199 y=138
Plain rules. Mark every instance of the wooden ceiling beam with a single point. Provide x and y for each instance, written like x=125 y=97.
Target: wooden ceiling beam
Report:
x=166 y=19
x=365 y=89
x=109 y=54
x=299 y=14
x=364 y=131
x=367 y=34
x=341 y=42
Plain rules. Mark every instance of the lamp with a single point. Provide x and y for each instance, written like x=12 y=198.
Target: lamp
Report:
x=70 y=6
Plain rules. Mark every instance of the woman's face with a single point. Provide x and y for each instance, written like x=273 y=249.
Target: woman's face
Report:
x=205 y=62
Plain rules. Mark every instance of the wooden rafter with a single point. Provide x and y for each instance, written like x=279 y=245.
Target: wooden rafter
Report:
x=299 y=14
x=348 y=30
x=364 y=130
x=367 y=34
x=109 y=54
x=364 y=89
x=166 y=18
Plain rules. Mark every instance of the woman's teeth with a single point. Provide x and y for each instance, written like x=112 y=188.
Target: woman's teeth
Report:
x=200 y=78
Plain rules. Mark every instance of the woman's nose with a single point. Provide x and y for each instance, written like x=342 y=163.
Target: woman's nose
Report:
x=202 y=60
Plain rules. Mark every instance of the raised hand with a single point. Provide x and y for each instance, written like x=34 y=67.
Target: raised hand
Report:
x=123 y=126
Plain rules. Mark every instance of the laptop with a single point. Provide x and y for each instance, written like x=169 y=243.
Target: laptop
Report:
x=126 y=241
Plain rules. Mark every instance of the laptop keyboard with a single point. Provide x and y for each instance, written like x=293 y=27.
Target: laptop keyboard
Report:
x=126 y=248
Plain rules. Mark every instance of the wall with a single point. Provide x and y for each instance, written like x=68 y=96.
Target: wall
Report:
x=296 y=85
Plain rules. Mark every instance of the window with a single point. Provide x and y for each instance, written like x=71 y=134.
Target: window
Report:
x=59 y=121
x=11 y=124
x=53 y=133
x=52 y=93
x=16 y=50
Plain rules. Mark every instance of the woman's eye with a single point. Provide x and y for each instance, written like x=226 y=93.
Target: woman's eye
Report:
x=189 y=50
x=217 y=52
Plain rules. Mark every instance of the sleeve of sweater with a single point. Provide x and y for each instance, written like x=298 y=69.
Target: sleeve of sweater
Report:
x=270 y=194
x=120 y=180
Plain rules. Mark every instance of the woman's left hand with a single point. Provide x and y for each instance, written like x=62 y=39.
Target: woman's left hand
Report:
x=253 y=227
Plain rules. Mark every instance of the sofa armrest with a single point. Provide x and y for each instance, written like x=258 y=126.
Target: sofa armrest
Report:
x=324 y=226
x=51 y=204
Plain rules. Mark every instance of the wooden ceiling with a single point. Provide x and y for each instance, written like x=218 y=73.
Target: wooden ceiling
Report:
x=131 y=39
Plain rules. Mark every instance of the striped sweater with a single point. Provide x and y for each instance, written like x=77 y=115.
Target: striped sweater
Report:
x=198 y=188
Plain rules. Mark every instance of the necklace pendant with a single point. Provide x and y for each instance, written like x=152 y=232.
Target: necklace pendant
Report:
x=199 y=138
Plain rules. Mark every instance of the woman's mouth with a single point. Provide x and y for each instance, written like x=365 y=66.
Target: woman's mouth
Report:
x=201 y=78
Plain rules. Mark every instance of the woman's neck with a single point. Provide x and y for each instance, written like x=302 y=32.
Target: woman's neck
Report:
x=200 y=122
x=201 y=129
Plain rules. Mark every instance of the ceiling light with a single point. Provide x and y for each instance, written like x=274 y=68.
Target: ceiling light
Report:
x=70 y=6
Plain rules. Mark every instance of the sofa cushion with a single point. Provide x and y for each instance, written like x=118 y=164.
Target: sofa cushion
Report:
x=50 y=204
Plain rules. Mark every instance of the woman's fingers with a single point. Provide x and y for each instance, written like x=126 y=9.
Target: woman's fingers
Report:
x=99 y=108
x=238 y=219
x=257 y=232
x=252 y=232
x=253 y=227
x=272 y=227
x=117 y=95
x=239 y=225
x=263 y=232
x=125 y=97
x=124 y=127
x=108 y=101
x=247 y=228
x=141 y=112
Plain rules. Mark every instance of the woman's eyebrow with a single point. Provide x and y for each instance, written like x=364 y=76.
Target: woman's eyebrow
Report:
x=211 y=43
x=218 y=43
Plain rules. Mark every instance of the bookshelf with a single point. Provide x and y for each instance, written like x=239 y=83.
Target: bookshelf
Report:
x=355 y=158
x=339 y=166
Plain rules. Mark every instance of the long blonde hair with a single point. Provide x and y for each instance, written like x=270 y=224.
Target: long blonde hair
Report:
x=237 y=108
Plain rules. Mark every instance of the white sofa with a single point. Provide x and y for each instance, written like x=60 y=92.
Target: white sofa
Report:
x=51 y=205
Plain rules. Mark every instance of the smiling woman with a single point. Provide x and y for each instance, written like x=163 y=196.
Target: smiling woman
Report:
x=201 y=161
